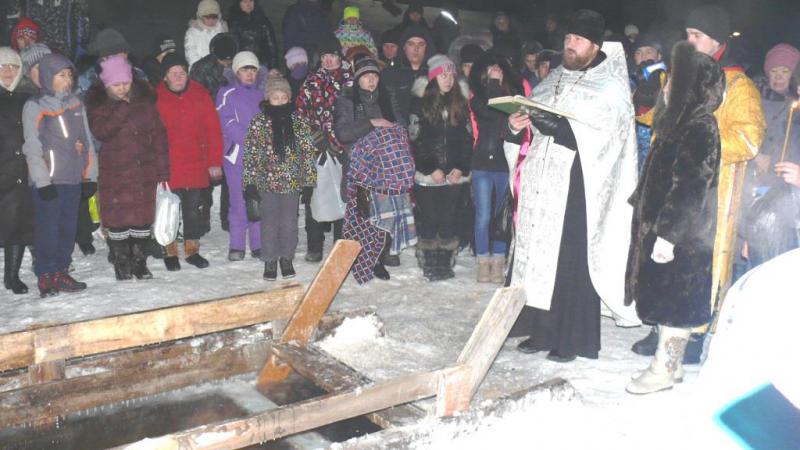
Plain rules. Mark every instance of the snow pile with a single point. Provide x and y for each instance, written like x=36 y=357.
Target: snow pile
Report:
x=354 y=331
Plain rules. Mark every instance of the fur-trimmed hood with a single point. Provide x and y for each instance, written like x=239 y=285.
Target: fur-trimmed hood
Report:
x=140 y=90
x=697 y=86
x=418 y=88
x=486 y=60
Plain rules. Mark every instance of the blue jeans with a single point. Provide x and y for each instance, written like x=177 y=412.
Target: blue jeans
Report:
x=483 y=184
x=55 y=226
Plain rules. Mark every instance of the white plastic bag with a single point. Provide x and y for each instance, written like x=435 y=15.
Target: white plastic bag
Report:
x=168 y=215
x=326 y=201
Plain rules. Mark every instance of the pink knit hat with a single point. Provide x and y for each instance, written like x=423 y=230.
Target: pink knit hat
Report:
x=781 y=55
x=116 y=70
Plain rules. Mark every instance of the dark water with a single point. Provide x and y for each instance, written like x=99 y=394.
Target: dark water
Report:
x=122 y=425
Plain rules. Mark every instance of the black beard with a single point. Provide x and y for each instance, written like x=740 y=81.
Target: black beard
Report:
x=578 y=62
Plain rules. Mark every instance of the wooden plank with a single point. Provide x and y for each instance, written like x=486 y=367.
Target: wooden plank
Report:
x=417 y=435
x=334 y=376
x=485 y=342
x=145 y=372
x=302 y=416
x=308 y=313
x=24 y=348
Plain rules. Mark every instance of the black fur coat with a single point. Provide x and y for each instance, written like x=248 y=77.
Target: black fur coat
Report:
x=676 y=198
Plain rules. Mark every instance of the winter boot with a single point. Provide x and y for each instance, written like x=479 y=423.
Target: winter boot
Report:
x=484 y=269
x=498 y=269
x=380 y=272
x=191 y=249
x=64 y=282
x=171 y=261
x=46 y=284
x=441 y=266
x=647 y=345
x=450 y=244
x=13 y=261
x=423 y=246
x=313 y=256
x=87 y=249
x=235 y=255
x=271 y=270
x=123 y=259
x=386 y=259
x=287 y=269
x=256 y=254
x=139 y=262
x=663 y=371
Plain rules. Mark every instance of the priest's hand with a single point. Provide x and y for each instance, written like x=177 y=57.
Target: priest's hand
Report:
x=518 y=122
x=546 y=122
x=663 y=251
x=790 y=172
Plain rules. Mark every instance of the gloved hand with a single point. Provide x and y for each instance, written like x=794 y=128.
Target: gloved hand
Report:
x=88 y=189
x=363 y=201
x=647 y=86
x=48 y=192
x=251 y=193
x=305 y=195
x=252 y=203
x=663 y=251
x=546 y=122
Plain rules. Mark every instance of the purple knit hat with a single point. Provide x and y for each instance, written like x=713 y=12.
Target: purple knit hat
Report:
x=116 y=70
x=781 y=55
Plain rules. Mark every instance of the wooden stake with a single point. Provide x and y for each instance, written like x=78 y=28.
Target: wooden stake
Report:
x=315 y=302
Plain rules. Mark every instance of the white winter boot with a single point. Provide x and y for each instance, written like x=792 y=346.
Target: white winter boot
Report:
x=666 y=368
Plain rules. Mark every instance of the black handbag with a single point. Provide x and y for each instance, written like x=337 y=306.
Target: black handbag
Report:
x=502 y=222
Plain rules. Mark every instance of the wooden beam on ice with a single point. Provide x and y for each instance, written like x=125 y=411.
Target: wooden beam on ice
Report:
x=60 y=342
x=302 y=416
x=334 y=376
x=137 y=373
x=481 y=349
x=308 y=313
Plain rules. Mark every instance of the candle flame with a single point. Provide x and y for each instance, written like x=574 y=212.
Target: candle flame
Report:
x=795 y=104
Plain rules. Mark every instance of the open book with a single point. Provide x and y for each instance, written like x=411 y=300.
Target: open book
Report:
x=519 y=103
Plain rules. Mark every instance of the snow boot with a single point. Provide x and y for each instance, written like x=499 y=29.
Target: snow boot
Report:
x=271 y=270
x=87 y=249
x=13 y=261
x=121 y=255
x=287 y=269
x=484 y=269
x=663 y=369
x=235 y=255
x=171 y=261
x=423 y=246
x=498 y=269
x=191 y=249
x=64 y=282
x=441 y=266
x=46 y=284
x=386 y=259
x=380 y=272
x=647 y=346
x=139 y=260
x=256 y=254
x=313 y=256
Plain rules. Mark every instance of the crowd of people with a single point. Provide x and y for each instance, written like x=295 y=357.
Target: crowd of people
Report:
x=664 y=173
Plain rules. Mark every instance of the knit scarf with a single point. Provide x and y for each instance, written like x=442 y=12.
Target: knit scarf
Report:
x=282 y=132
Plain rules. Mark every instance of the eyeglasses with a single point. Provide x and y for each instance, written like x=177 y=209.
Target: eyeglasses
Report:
x=9 y=67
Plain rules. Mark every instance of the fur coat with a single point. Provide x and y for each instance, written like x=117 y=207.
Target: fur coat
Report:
x=676 y=198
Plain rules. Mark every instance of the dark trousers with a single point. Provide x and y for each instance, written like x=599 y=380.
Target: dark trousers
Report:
x=315 y=231
x=83 y=236
x=437 y=209
x=224 y=205
x=56 y=223
x=278 y=225
x=194 y=211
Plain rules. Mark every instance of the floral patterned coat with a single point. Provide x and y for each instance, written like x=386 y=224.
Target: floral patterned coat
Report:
x=266 y=170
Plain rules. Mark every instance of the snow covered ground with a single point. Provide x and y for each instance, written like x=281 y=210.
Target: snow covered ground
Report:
x=425 y=325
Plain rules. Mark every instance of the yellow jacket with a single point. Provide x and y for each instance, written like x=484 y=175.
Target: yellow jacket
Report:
x=741 y=127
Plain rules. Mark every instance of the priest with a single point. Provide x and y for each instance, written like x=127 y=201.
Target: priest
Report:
x=573 y=217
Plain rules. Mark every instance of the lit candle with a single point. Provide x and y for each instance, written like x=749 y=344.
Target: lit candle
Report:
x=792 y=107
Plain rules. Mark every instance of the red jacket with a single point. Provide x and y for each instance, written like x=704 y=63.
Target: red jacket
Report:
x=193 y=132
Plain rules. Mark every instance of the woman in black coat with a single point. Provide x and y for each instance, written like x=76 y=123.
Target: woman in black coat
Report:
x=675 y=211
x=16 y=205
x=247 y=21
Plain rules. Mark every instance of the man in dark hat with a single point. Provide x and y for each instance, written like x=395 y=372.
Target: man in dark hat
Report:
x=390 y=47
x=398 y=80
x=570 y=249
x=649 y=77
